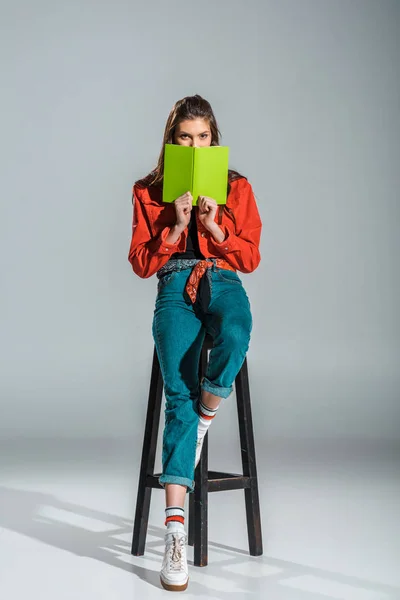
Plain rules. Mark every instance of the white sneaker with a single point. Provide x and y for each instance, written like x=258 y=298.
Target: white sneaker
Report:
x=199 y=447
x=174 y=573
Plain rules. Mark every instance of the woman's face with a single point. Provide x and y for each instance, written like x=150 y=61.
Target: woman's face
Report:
x=193 y=132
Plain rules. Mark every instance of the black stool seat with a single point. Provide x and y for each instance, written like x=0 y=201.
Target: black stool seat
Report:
x=205 y=481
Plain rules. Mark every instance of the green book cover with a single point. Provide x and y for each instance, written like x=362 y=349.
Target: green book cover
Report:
x=201 y=171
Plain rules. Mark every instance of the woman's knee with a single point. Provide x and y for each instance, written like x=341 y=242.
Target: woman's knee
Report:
x=237 y=332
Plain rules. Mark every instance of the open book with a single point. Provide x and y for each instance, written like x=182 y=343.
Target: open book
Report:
x=200 y=171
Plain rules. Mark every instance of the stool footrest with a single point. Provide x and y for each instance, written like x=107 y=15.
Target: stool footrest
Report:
x=218 y=481
x=152 y=481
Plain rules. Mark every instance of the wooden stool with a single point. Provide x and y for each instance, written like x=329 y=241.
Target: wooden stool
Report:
x=205 y=481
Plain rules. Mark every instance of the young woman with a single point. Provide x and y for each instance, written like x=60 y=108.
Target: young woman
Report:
x=196 y=252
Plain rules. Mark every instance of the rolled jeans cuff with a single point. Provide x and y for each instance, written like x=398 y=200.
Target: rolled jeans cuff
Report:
x=221 y=392
x=189 y=483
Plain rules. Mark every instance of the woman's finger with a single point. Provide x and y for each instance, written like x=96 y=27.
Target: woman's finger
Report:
x=203 y=205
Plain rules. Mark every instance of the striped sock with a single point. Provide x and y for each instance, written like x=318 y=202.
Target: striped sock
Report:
x=174 y=515
x=206 y=415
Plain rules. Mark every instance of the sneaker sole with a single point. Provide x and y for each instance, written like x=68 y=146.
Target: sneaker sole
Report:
x=174 y=588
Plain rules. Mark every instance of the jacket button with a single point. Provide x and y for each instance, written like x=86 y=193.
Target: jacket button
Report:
x=203 y=234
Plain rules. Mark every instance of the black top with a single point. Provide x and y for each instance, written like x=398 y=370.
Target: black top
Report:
x=192 y=243
x=193 y=251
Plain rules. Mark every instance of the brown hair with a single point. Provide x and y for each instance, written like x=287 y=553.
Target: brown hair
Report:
x=190 y=107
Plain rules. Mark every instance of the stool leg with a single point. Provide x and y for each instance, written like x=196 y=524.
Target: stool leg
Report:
x=200 y=509
x=191 y=520
x=249 y=461
x=148 y=458
x=198 y=500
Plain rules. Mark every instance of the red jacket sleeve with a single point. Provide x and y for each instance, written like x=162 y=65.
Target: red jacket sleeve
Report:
x=240 y=247
x=147 y=254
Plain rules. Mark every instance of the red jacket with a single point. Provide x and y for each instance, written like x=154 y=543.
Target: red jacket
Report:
x=152 y=220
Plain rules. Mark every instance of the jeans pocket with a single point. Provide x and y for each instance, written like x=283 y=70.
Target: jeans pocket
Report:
x=229 y=276
x=166 y=279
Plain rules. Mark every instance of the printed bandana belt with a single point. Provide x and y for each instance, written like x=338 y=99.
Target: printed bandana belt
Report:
x=200 y=267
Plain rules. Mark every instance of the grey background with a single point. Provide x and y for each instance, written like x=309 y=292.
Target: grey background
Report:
x=307 y=97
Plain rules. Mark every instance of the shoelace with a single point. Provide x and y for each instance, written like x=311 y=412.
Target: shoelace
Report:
x=175 y=557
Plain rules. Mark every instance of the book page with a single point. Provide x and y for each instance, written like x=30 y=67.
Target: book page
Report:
x=210 y=173
x=178 y=171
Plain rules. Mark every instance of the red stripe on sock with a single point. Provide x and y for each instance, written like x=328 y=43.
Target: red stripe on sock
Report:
x=175 y=518
x=206 y=416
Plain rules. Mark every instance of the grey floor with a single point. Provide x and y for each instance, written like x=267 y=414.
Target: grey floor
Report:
x=330 y=519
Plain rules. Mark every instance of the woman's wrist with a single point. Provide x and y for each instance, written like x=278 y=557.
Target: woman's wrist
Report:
x=174 y=234
x=217 y=233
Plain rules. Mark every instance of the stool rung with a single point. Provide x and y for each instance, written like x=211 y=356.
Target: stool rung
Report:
x=152 y=481
x=222 y=475
x=217 y=481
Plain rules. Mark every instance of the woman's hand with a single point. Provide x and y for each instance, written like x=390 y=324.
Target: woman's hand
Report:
x=207 y=211
x=183 y=209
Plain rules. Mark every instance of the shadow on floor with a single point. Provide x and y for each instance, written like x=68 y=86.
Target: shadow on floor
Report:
x=30 y=514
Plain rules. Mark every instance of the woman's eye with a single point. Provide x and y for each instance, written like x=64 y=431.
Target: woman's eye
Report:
x=204 y=136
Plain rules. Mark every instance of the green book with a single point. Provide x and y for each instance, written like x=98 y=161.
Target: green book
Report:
x=200 y=171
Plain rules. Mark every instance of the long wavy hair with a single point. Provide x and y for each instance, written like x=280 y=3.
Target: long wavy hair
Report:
x=190 y=107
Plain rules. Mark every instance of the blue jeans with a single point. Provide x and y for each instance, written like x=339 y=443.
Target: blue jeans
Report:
x=179 y=328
